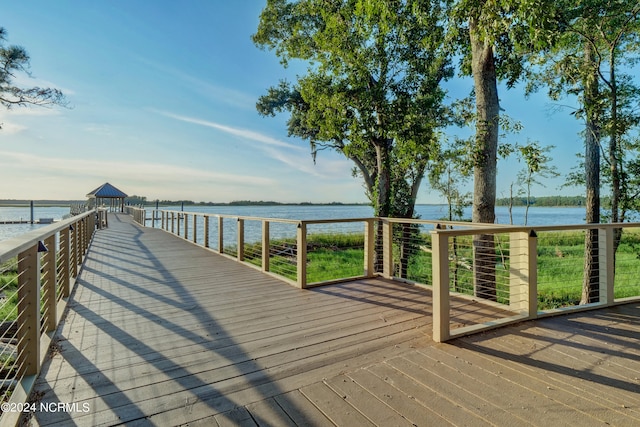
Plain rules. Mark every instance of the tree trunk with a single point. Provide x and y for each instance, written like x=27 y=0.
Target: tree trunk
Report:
x=408 y=245
x=484 y=188
x=382 y=195
x=591 y=282
x=615 y=155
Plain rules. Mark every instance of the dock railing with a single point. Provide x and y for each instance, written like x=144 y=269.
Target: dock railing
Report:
x=37 y=273
x=514 y=273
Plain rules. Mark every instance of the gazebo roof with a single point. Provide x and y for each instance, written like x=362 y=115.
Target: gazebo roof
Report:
x=106 y=191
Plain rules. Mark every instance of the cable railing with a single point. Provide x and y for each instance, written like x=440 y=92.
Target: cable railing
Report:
x=482 y=275
x=532 y=272
x=37 y=272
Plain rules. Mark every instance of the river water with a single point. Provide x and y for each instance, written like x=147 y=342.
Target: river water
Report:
x=536 y=216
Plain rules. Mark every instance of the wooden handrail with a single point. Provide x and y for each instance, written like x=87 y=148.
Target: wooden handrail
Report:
x=65 y=244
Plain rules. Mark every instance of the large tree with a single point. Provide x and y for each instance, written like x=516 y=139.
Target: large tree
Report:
x=372 y=89
x=495 y=39
x=598 y=39
x=15 y=60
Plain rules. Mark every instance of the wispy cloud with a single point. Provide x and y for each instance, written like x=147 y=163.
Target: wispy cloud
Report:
x=218 y=93
x=137 y=171
x=242 y=133
x=24 y=80
x=11 y=126
x=294 y=156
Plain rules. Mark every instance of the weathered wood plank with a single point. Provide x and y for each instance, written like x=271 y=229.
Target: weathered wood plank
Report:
x=444 y=406
x=334 y=407
x=238 y=417
x=402 y=403
x=301 y=410
x=365 y=402
x=455 y=390
x=572 y=383
x=268 y=413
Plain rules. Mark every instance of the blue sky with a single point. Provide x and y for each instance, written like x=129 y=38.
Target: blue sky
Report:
x=162 y=104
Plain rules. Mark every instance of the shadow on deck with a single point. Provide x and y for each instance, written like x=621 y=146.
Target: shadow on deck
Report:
x=150 y=339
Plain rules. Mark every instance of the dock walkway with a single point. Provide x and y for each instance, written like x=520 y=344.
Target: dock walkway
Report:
x=162 y=332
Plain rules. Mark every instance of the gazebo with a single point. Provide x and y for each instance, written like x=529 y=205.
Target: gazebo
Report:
x=107 y=195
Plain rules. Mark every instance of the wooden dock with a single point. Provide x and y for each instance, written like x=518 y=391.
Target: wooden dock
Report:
x=162 y=332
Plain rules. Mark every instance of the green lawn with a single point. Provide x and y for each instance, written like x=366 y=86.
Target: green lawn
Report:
x=560 y=264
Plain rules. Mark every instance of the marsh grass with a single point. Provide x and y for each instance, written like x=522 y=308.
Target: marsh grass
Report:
x=560 y=264
x=9 y=290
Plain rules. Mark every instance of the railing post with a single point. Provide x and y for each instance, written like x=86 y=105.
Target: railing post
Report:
x=92 y=225
x=178 y=218
x=195 y=234
x=79 y=239
x=302 y=254
x=86 y=236
x=186 y=226
x=220 y=235
x=29 y=311
x=173 y=220
x=73 y=251
x=387 y=249
x=240 y=234
x=65 y=286
x=50 y=303
x=523 y=273
x=266 y=246
x=606 y=264
x=369 y=247
x=441 y=305
x=206 y=231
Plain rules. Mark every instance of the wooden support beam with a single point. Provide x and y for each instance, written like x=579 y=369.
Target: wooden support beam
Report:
x=302 y=255
x=266 y=246
x=441 y=303
x=29 y=312
x=50 y=302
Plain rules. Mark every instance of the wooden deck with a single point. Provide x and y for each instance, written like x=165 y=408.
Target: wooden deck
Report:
x=162 y=332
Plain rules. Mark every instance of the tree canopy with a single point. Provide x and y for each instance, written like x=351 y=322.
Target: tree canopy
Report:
x=372 y=89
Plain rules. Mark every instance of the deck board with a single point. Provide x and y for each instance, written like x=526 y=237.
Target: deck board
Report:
x=162 y=332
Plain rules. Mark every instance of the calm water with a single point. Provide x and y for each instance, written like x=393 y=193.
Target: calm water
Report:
x=24 y=213
x=537 y=216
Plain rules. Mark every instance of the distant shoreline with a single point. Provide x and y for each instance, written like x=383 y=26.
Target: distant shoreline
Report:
x=15 y=203
x=538 y=202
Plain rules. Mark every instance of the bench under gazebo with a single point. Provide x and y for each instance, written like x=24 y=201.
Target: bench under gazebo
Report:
x=107 y=195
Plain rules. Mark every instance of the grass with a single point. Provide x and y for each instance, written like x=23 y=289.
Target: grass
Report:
x=9 y=289
x=560 y=264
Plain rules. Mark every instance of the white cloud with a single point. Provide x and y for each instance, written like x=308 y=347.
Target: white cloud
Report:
x=294 y=156
x=242 y=133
